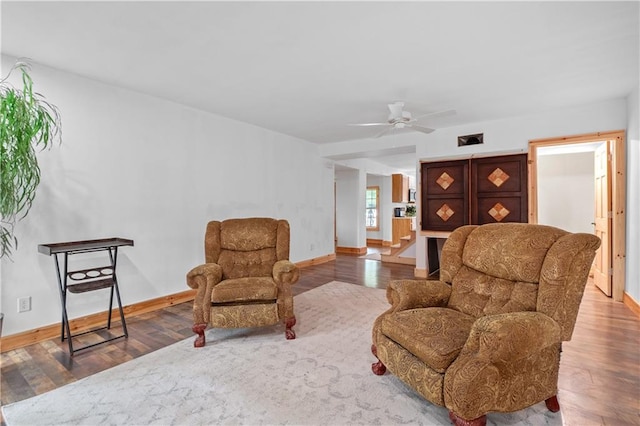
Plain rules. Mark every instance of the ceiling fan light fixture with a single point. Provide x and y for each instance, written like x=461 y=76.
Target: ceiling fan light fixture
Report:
x=405 y=117
x=396 y=110
x=400 y=119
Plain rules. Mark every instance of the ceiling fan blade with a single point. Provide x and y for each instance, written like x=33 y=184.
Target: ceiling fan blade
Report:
x=420 y=128
x=446 y=113
x=384 y=132
x=369 y=124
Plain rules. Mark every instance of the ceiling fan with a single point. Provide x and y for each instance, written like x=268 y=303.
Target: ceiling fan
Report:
x=401 y=119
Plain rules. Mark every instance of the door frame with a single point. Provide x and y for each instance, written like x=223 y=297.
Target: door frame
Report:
x=617 y=250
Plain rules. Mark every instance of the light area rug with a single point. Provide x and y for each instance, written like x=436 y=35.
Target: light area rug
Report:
x=257 y=377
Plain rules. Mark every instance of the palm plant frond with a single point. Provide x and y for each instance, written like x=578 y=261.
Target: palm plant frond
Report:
x=28 y=124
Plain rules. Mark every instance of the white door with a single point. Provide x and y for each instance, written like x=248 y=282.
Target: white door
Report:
x=602 y=264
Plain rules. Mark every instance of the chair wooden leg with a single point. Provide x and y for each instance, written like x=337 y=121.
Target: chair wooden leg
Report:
x=378 y=368
x=289 y=323
x=552 y=404
x=459 y=421
x=199 y=330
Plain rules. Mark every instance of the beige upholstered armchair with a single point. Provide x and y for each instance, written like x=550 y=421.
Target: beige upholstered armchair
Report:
x=487 y=336
x=247 y=278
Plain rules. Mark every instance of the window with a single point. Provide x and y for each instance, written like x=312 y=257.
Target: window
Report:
x=372 y=208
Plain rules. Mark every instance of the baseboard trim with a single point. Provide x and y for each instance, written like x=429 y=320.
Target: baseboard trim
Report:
x=25 y=338
x=29 y=337
x=351 y=250
x=420 y=273
x=316 y=261
x=631 y=303
x=398 y=259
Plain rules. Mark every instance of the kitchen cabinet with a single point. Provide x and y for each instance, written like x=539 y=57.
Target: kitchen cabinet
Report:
x=401 y=227
x=399 y=188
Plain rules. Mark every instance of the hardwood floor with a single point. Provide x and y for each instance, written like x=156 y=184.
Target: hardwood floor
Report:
x=599 y=373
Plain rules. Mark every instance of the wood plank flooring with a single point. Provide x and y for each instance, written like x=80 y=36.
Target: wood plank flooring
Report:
x=599 y=373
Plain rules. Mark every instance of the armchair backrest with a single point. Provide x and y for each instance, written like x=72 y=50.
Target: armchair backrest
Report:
x=247 y=247
x=511 y=267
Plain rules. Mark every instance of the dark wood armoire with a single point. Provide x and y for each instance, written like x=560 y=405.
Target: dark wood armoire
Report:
x=473 y=191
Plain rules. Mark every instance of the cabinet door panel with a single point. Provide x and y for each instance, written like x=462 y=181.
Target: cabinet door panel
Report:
x=445 y=187
x=445 y=178
x=499 y=189
x=399 y=188
x=498 y=176
x=445 y=214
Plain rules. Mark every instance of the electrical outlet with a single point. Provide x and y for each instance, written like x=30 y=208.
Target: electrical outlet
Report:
x=24 y=304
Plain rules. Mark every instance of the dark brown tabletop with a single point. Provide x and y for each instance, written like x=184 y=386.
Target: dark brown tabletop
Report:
x=80 y=246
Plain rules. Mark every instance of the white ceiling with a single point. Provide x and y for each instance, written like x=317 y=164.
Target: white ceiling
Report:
x=308 y=69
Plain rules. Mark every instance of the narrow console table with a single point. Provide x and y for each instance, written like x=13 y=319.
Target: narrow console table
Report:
x=84 y=280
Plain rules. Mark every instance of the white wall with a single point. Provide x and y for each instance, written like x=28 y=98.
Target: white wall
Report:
x=566 y=195
x=350 y=208
x=154 y=171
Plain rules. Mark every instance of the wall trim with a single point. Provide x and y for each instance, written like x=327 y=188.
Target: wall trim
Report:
x=351 y=250
x=631 y=303
x=29 y=337
x=316 y=260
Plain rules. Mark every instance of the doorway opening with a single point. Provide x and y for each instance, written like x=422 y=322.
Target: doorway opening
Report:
x=600 y=212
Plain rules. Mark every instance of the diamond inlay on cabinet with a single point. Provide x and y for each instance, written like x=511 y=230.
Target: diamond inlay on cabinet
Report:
x=498 y=177
x=499 y=212
x=445 y=180
x=445 y=212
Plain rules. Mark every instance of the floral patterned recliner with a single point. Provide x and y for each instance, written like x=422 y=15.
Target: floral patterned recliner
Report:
x=487 y=336
x=247 y=278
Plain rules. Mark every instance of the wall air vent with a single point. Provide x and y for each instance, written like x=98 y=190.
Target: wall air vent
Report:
x=476 y=139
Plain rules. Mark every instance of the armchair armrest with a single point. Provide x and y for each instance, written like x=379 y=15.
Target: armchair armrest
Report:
x=503 y=354
x=411 y=294
x=203 y=278
x=511 y=336
x=285 y=272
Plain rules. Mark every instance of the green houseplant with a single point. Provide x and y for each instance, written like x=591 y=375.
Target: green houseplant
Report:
x=28 y=123
x=410 y=210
